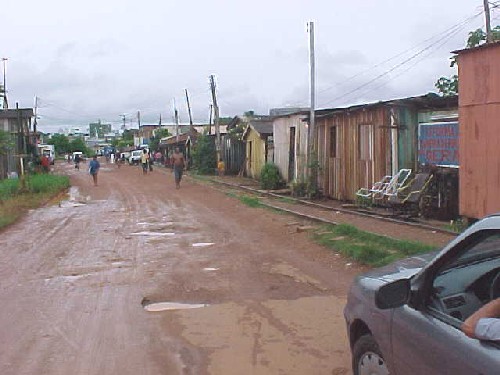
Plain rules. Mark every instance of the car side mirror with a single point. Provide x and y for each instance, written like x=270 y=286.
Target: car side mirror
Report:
x=392 y=295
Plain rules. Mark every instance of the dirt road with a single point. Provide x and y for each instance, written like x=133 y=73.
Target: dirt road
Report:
x=76 y=278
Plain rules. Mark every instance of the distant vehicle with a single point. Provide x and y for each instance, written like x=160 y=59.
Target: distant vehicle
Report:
x=47 y=150
x=405 y=318
x=135 y=157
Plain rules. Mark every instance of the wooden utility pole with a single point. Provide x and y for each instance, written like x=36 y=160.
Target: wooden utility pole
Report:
x=176 y=119
x=189 y=111
x=216 y=115
x=489 y=36
x=139 y=118
x=210 y=119
x=312 y=157
x=35 y=123
x=5 y=101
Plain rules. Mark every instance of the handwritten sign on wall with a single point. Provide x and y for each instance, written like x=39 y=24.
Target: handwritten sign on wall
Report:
x=438 y=143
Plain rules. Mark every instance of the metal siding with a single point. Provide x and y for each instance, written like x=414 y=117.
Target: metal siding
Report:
x=479 y=101
x=407 y=137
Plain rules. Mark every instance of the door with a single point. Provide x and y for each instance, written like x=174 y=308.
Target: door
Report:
x=366 y=151
x=291 y=155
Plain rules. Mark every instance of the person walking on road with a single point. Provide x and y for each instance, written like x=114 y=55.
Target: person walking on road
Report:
x=94 y=169
x=145 y=161
x=178 y=163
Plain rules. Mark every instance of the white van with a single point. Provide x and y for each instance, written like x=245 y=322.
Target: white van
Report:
x=135 y=157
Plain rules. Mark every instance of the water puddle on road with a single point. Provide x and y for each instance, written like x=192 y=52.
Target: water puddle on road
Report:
x=203 y=244
x=156 y=234
x=169 y=306
x=210 y=269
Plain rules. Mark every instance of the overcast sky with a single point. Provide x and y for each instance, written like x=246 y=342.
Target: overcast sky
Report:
x=92 y=60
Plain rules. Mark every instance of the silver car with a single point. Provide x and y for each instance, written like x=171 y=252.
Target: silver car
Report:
x=405 y=318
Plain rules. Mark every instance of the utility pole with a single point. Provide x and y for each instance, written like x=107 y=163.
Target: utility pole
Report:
x=139 y=118
x=216 y=113
x=489 y=36
x=189 y=111
x=176 y=119
x=210 y=119
x=35 y=123
x=124 y=126
x=5 y=102
x=312 y=157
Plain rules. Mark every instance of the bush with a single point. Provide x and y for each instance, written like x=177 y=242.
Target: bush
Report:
x=270 y=177
x=44 y=183
x=204 y=155
x=8 y=188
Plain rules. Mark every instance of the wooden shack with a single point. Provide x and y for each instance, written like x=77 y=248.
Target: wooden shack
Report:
x=479 y=117
x=258 y=137
x=290 y=146
x=358 y=145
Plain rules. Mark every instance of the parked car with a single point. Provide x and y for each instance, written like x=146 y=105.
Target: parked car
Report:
x=405 y=318
x=135 y=157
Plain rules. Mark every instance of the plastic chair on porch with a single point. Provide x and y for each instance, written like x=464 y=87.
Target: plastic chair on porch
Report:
x=377 y=187
x=407 y=199
x=397 y=182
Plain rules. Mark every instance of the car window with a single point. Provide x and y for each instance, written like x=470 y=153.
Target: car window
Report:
x=463 y=284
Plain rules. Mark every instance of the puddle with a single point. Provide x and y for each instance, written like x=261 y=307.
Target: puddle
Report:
x=203 y=244
x=152 y=234
x=210 y=269
x=168 y=306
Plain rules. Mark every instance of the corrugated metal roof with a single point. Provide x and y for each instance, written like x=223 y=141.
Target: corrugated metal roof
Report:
x=473 y=49
x=262 y=127
x=12 y=113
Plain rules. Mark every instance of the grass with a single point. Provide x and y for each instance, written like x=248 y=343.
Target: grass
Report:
x=365 y=247
x=250 y=201
x=15 y=200
x=286 y=200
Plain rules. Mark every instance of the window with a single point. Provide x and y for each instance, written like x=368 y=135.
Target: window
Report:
x=333 y=142
x=365 y=142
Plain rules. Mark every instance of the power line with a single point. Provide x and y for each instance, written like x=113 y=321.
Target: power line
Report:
x=448 y=35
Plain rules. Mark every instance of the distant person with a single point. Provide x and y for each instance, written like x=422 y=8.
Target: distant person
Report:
x=145 y=161
x=221 y=167
x=77 y=160
x=150 y=162
x=45 y=163
x=94 y=169
x=178 y=164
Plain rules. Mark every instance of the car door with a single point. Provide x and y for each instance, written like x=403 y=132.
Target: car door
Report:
x=429 y=340
x=422 y=343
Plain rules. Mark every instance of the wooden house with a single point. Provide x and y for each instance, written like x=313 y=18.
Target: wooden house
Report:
x=290 y=145
x=358 y=145
x=258 y=137
x=479 y=114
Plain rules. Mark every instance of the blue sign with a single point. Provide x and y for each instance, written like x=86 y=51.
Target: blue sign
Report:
x=438 y=143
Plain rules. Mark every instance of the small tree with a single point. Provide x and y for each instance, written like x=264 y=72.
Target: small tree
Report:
x=204 y=155
x=60 y=142
x=270 y=177
x=448 y=86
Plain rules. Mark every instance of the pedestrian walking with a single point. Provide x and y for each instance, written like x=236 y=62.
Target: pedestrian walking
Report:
x=77 y=160
x=178 y=163
x=144 y=161
x=94 y=169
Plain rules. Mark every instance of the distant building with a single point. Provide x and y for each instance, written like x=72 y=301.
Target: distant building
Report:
x=286 y=111
x=98 y=129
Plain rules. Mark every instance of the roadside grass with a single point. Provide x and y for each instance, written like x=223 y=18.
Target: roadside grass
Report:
x=365 y=247
x=286 y=200
x=250 y=201
x=15 y=200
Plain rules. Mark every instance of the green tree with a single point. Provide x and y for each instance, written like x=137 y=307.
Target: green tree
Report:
x=155 y=140
x=60 y=142
x=6 y=142
x=78 y=144
x=448 y=86
x=204 y=155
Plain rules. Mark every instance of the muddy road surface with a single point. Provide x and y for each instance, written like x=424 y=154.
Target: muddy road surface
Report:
x=136 y=277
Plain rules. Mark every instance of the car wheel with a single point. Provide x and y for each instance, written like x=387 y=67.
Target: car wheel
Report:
x=367 y=359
